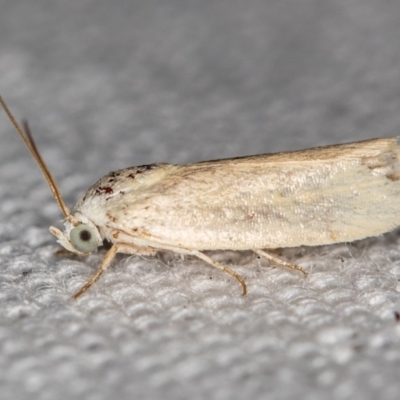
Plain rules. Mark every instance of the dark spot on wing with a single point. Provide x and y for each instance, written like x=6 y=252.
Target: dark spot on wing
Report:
x=250 y=215
x=388 y=163
x=147 y=167
x=104 y=190
x=393 y=176
x=109 y=216
x=140 y=169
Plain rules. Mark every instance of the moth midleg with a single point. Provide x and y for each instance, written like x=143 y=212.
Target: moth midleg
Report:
x=279 y=261
x=275 y=251
x=222 y=267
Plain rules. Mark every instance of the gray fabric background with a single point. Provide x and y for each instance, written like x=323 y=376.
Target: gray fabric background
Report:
x=114 y=83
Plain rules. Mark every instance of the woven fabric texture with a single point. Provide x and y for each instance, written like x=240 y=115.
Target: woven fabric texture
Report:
x=110 y=84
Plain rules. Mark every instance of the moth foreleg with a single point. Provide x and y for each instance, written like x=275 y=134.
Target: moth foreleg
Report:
x=64 y=253
x=108 y=259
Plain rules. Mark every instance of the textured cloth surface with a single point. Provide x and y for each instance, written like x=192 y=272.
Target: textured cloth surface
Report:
x=110 y=84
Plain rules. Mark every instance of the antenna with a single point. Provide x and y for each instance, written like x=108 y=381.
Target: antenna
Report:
x=27 y=137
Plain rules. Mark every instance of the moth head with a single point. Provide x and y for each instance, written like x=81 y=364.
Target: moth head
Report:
x=80 y=235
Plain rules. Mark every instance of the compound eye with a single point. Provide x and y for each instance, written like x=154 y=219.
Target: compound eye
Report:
x=83 y=238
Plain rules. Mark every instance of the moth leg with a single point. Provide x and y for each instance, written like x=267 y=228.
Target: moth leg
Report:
x=222 y=267
x=109 y=257
x=63 y=253
x=279 y=261
x=275 y=251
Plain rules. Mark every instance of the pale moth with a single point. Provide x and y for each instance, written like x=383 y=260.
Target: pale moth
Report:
x=310 y=197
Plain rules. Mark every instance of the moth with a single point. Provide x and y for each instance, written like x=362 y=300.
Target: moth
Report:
x=312 y=197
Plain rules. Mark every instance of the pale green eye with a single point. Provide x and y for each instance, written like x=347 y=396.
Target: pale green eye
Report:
x=83 y=238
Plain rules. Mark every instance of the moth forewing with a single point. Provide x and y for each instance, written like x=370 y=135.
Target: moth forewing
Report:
x=298 y=198
x=311 y=197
